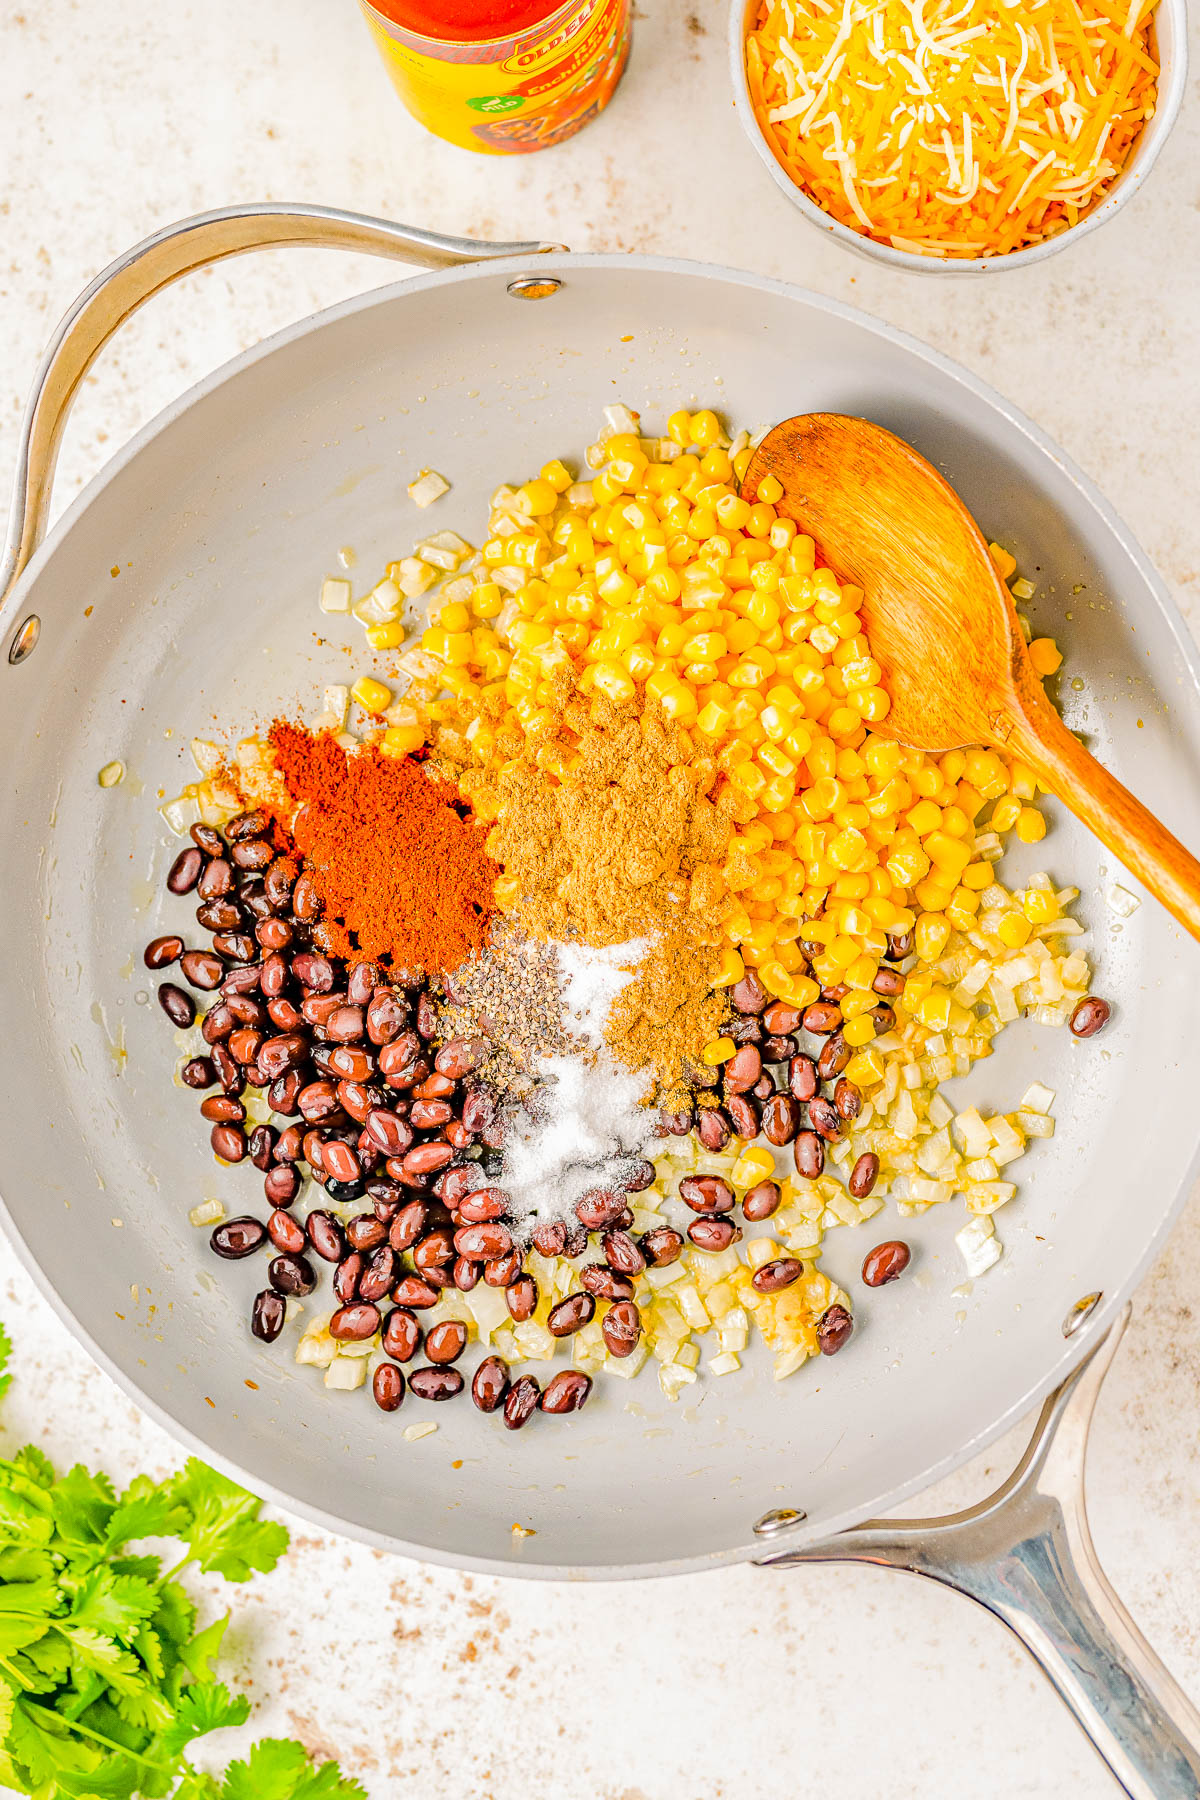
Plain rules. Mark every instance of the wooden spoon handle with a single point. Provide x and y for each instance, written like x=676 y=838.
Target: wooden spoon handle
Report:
x=1120 y=821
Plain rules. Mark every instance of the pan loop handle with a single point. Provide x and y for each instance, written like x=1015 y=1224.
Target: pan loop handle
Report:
x=1026 y=1554
x=126 y=284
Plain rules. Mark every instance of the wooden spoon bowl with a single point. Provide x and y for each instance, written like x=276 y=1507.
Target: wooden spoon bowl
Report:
x=944 y=630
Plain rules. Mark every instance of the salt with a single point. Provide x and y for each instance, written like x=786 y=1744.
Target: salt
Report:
x=586 y=1122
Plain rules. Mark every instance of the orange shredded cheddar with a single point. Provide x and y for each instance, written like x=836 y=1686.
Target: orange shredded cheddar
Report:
x=954 y=128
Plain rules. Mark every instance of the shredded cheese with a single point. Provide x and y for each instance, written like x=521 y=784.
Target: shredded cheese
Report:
x=949 y=128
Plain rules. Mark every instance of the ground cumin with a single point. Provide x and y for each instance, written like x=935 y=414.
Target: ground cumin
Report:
x=627 y=843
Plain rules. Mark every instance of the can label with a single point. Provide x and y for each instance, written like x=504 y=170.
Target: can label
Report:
x=511 y=95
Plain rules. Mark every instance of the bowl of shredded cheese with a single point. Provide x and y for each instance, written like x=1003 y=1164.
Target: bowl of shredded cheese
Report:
x=958 y=135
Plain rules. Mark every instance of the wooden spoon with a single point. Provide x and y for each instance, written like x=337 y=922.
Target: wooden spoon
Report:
x=944 y=630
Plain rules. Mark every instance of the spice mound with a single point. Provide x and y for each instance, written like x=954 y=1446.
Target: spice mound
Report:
x=397 y=859
x=624 y=842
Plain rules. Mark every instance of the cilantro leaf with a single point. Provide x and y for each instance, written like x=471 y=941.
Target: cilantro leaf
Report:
x=203 y=1650
x=116 y=1778
x=204 y=1706
x=224 y=1532
x=278 y=1769
x=82 y=1504
x=34 y=1464
x=175 y=1617
x=115 y=1605
x=145 y=1509
x=5 y=1353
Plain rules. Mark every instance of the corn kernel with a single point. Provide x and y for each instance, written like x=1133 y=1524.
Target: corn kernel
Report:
x=1045 y=656
x=770 y=489
x=859 y=1031
x=718 y=1051
x=1014 y=930
x=371 y=695
x=1031 y=826
x=385 y=637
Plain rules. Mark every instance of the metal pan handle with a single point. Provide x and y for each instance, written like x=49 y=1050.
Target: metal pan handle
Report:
x=1026 y=1554
x=126 y=284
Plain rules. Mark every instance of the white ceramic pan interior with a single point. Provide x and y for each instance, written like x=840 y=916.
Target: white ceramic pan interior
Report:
x=179 y=595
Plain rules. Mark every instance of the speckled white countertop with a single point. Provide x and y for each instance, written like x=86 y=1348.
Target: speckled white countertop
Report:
x=119 y=115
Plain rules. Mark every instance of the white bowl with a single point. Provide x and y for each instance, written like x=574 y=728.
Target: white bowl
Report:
x=1170 y=27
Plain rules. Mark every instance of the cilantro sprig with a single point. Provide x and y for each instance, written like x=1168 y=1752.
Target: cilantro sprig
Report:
x=105 y=1682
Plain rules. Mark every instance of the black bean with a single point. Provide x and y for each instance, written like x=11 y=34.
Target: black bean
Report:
x=599 y=1209
x=292 y=1274
x=387 y=1387
x=802 y=1077
x=445 y=1342
x=202 y=969
x=638 y=1176
x=809 y=1154
x=821 y=1018
x=889 y=983
x=285 y=1233
x=900 y=945
x=835 y=1055
x=676 y=1123
x=185 y=871
x=267 y=1315
x=744 y=1115
x=748 y=995
x=222 y=1109
x=742 y=1070
x=744 y=1028
x=282 y=1184
x=769 y=1277
x=713 y=1127
x=228 y=1143
x=346 y=1277
x=661 y=1246
x=161 y=951
x=864 y=1175
x=235 y=1238
x=352 y=1324
x=522 y=1298
x=847 y=1098
x=566 y=1392
x=1090 y=1016
x=713 y=1233
x=824 y=1118
x=781 y=1019
x=401 y=1334
x=550 y=1239
x=413 y=1291
x=886 y=1262
x=706 y=1193
x=521 y=1402
x=781 y=1119
x=217 y=879
x=210 y=841
x=325 y=1236
x=179 y=1006
x=198 y=1072
x=380 y=1273
x=253 y=853
x=605 y=1283
x=436 y=1384
x=833 y=1330
x=570 y=1315
x=778 y=1049
x=621 y=1327
x=220 y=915
x=490 y=1384
x=760 y=1201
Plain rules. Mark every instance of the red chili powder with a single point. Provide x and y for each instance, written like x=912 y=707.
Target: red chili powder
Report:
x=395 y=855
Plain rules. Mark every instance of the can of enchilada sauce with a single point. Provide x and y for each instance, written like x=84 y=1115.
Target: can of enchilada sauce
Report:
x=502 y=76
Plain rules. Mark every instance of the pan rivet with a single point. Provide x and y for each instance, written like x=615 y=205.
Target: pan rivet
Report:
x=534 y=287
x=25 y=639
x=1080 y=1313
x=781 y=1519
